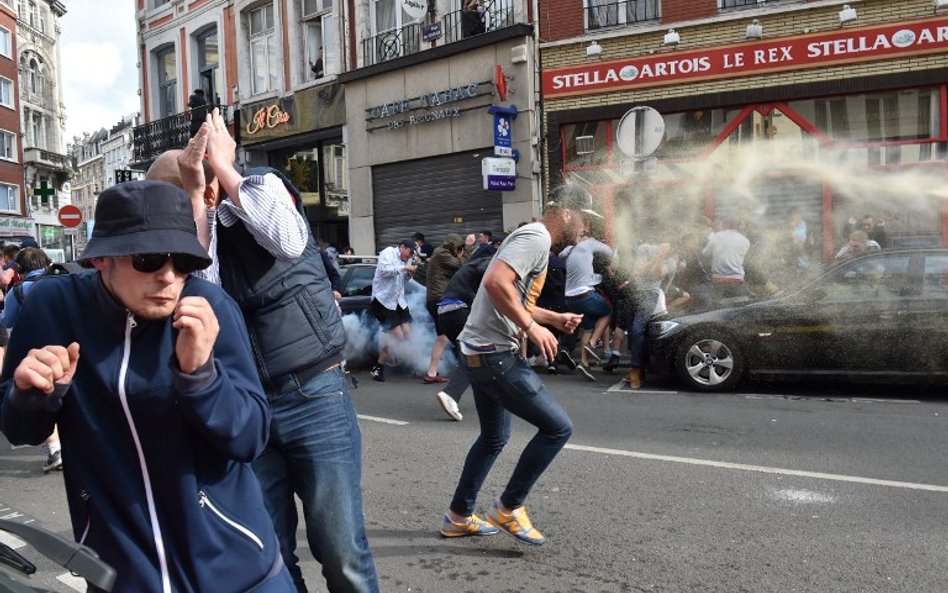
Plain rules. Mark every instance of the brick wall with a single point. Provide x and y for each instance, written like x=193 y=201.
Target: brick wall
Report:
x=561 y=19
x=674 y=11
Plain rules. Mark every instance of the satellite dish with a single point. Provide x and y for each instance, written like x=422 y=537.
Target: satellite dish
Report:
x=640 y=132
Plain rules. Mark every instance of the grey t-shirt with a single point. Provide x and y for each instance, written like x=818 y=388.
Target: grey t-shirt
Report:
x=580 y=277
x=527 y=251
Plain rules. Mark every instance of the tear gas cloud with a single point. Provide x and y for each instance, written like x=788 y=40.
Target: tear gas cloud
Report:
x=364 y=337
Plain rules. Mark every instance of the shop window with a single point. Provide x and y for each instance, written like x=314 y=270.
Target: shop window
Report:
x=609 y=13
x=879 y=118
x=9 y=198
x=264 y=53
x=167 y=81
x=689 y=133
x=336 y=170
x=586 y=144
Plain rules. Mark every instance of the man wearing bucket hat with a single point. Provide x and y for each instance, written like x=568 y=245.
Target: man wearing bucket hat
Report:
x=267 y=259
x=149 y=375
x=503 y=315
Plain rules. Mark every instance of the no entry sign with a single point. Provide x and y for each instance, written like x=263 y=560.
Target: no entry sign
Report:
x=70 y=216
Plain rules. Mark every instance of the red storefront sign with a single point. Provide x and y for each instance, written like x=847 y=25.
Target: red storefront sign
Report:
x=794 y=53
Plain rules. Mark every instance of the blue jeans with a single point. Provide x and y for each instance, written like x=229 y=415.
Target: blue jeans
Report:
x=315 y=452
x=645 y=301
x=503 y=385
x=591 y=305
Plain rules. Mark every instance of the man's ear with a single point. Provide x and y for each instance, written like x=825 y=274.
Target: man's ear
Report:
x=100 y=263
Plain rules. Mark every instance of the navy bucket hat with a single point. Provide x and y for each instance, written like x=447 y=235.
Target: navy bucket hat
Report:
x=144 y=217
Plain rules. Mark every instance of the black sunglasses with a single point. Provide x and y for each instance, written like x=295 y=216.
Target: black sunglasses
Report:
x=149 y=263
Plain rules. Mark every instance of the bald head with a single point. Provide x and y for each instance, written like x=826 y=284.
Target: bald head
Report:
x=166 y=168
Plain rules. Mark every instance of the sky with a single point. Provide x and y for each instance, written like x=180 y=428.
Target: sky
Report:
x=99 y=76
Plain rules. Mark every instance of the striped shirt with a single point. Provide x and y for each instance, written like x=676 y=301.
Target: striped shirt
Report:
x=268 y=212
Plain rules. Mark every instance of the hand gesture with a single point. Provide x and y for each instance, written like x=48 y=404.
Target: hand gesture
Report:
x=44 y=367
x=197 y=331
x=191 y=166
x=568 y=322
x=221 y=148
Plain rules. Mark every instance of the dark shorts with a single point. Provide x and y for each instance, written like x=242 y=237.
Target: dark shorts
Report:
x=388 y=318
x=432 y=307
x=591 y=305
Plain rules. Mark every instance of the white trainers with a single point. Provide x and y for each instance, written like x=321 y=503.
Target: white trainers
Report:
x=449 y=405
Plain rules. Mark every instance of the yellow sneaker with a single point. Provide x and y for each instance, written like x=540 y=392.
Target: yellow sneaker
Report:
x=473 y=526
x=516 y=523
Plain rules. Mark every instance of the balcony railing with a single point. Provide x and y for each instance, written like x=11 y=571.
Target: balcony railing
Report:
x=155 y=137
x=493 y=15
x=601 y=14
x=389 y=45
x=45 y=157
x=457 y=25
x=743 y=3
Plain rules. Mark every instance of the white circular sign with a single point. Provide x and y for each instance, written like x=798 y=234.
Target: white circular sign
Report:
x=640 y=132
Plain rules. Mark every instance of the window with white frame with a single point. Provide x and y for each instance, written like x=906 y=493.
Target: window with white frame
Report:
x=320 y=45
x=611 y=13
x=167 y=80
x=9 y=198
x=6 y=92
x=31 y=13
x=7 y=146
x=6 y=46
x=264 y=52
x=208 y=54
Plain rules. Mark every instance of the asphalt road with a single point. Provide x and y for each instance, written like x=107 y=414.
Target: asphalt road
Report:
x=775 y=489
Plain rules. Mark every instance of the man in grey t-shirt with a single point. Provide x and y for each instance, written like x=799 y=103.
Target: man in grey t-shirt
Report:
x=503 y=314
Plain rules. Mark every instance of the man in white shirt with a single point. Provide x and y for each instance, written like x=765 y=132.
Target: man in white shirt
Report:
x=727 y=249
x=393 y=270
x=583 y=297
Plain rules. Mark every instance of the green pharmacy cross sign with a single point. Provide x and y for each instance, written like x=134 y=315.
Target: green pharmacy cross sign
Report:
x=44 y=191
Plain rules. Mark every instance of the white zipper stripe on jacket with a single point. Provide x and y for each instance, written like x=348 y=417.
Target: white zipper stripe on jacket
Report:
x=149 y=496
x=203 y=500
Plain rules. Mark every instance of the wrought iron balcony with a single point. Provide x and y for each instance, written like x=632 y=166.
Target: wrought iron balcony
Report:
x=153 y=138
x=744 y=3
x=601 y=14
x=389 y=45
x=492 y=15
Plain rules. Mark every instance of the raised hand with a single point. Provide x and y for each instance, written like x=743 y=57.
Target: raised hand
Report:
x=44 y=367
x=197 y=331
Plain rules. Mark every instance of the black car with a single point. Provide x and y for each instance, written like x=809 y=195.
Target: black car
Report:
x=882 y=316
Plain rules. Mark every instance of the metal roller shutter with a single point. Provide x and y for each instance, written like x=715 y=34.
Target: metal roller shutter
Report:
x=427 y=195
x=773 y=198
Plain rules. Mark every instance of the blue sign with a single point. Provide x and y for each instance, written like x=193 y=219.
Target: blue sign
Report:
x=503 y=129
x=501 y=182
x=431 y=32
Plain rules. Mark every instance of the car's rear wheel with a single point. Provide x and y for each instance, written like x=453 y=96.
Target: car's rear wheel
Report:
x=709 y=361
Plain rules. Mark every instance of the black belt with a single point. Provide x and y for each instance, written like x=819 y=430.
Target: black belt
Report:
x=299 y=378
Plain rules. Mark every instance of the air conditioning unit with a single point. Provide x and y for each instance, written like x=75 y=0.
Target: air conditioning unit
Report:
x=585 y=144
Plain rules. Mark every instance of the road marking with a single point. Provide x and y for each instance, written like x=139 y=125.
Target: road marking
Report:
x=382 y=420
x=11 y=540
x=72 y=581
x=761 y=469
x=621 y=387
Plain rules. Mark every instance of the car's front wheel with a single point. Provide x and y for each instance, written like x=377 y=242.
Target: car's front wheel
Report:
x=709 y=361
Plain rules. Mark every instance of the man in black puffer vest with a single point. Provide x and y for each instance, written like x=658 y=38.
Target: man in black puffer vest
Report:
x=265 y=257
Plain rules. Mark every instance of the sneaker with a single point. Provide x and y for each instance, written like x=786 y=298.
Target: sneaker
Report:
x=516 y=523
x=552 y=369
x=473 y=526
x=429 y=379
x=377 y=373
x=449 y=406
x=592 y=352
x=583 y=370
x=563 y=358
x=612 y=363
x=53 y=461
